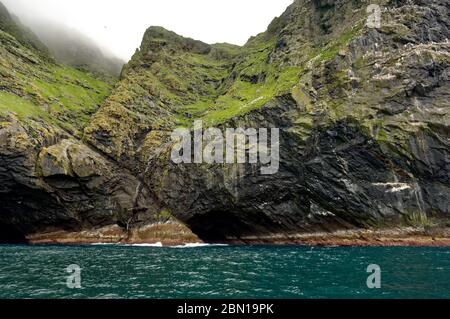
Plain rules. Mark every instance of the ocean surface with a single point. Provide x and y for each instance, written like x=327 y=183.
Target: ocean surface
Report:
x=113 y=271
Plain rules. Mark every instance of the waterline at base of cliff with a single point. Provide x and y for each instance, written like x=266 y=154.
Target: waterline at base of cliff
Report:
x=175 y=234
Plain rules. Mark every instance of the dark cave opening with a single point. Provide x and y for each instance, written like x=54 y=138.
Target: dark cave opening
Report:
x=218 y=226
x=224 y=226
x=9 y=234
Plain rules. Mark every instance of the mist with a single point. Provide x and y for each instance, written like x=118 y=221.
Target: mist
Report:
x=117 y=26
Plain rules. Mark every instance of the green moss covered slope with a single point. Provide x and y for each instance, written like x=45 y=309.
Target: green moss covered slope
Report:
x=34 y=87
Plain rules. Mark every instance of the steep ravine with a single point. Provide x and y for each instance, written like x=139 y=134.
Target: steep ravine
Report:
x=364 y=145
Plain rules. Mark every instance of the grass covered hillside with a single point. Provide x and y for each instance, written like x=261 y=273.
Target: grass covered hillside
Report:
x=34 y=87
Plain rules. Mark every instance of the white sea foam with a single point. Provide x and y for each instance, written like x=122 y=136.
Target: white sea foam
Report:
x=198 y=245
x=145 y=245
x=160 y=245
x=128 y=245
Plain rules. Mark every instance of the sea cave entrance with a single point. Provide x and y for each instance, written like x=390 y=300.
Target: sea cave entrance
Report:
x=9 y=234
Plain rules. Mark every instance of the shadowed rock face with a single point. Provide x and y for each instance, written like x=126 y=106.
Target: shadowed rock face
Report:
x=58 y=183
x=363 y=115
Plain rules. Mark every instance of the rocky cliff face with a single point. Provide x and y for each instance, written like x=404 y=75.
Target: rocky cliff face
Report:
x=363 y=114
x=49 y=177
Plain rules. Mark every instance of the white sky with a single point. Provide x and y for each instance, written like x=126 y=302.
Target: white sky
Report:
x=118 y=25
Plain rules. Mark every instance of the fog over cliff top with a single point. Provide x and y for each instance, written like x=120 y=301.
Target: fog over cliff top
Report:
x=117 y=26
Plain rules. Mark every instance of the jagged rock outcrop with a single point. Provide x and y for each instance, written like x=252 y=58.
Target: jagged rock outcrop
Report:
x=363 y=115
x=355 y=136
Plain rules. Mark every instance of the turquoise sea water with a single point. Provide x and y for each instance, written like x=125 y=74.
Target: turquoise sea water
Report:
x=223 y=272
